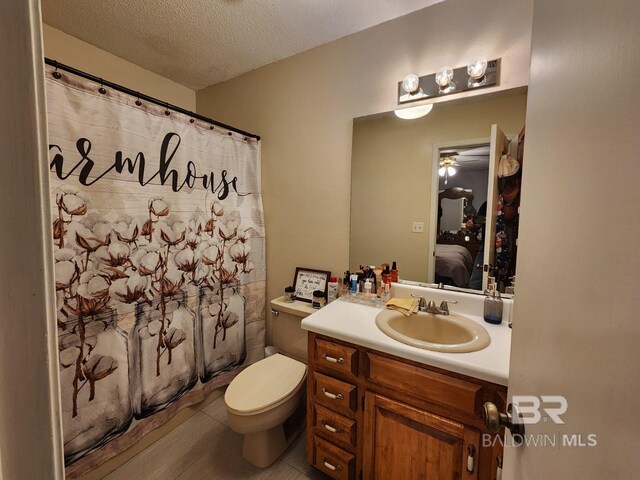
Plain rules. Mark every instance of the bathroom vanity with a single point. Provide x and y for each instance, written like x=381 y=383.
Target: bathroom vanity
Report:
x=380 y=409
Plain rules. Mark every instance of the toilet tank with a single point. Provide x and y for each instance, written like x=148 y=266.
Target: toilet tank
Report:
x=289 y=337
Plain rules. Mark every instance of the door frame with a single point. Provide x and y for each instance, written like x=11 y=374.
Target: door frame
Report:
x=435 y=188
x=31 y=428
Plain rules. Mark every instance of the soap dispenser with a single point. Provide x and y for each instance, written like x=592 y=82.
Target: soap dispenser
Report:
x=493 y=305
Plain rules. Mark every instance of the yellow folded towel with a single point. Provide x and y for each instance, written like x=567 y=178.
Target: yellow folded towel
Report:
x=406 y=306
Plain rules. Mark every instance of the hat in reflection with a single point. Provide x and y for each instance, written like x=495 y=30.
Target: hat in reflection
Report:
x=508 y=166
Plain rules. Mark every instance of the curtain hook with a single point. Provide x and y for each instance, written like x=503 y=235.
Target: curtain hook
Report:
x=167 y=112
x=138 y=102
x=56 y=74
x=102 y=90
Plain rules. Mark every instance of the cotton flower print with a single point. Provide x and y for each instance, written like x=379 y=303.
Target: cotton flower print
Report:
x=82 y=288
x=226 y=253
x=70 y=204
x=106 y=262
x=66 y=274
x=240 y=252
x=146 y=260
x=132 y=289
x=157 y=208
x=216 y=210
x=229 y=226
x=128 y=229
x=91 y=232
x=86 y=297
x=187 y=260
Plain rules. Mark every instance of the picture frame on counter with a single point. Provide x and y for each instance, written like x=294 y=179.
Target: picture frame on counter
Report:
x=308 y=280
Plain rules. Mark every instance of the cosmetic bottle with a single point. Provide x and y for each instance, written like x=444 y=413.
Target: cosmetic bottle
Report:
x=378 y=276
x=332 y=289
x=367 y=289
x=386 y=293
x=353 y=279
x=386 y=274
x=394 y=273
x=493 y=306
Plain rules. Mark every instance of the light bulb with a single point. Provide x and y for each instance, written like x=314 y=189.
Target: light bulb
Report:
x=477 y=69
x=452 y=171
x=442 y=171
x=444 y=76
x=413 y=112
x=410 y=83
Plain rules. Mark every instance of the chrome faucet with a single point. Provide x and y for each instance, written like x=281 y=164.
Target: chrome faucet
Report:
x=431 y=307
x=444 y=306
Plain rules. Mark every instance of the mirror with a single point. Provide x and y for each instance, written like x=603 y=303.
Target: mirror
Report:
x=440 y=194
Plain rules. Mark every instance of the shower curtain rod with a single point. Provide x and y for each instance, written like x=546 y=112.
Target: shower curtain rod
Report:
x=142 y=96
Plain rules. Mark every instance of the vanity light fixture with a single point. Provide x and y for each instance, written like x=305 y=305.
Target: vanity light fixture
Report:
x=480 y=73
x=413 y=112
x=447 y=168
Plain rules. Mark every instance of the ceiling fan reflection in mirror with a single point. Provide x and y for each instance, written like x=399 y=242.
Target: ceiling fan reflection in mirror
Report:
x=447 y=168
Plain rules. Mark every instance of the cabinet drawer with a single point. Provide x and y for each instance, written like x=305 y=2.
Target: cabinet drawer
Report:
x=332 y=460
x=333 y=426
x=425 y=384
x=334 y=356
x=335 y=394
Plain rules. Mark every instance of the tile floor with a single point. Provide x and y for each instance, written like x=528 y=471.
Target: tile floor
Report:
x=204 y=447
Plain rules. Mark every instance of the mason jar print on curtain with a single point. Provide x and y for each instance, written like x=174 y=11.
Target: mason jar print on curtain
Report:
x=158 y=239
x=221 y=307
x=221 y=315
x=94 y=381
x=163 y=352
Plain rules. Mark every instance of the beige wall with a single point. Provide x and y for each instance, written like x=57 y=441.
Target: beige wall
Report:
x=78 y=54
x=576 y=328
x=304 y=106
x=391 y=174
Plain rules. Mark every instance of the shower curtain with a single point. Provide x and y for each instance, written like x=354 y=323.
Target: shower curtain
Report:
x=159 y=245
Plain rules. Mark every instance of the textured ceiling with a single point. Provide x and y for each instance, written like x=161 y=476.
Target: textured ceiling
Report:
x=198 y=43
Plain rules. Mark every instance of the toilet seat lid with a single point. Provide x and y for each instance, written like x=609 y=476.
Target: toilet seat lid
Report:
x=265 y=383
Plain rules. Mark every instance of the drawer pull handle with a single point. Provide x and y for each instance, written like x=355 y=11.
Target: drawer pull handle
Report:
x=332 y=429
x=332 y=396
x=333 y=468
x=332 y=359
x=471 y=453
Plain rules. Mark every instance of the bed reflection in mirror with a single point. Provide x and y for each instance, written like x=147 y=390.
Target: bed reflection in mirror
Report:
x=446 y=171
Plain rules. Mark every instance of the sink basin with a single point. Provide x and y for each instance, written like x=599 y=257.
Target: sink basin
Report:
x=441 y=333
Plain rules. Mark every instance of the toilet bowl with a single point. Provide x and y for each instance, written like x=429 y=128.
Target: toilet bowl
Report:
x=265 y=404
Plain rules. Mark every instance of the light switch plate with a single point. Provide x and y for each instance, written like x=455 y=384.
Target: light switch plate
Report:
x=417 y=227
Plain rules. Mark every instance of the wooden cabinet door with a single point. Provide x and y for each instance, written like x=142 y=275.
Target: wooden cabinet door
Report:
x=404 y=442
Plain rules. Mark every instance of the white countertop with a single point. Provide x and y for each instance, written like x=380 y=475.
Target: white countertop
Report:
x=355 y=323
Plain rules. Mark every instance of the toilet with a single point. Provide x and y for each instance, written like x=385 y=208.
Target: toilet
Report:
x=265 y=402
